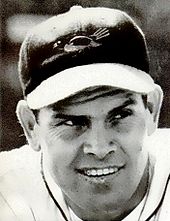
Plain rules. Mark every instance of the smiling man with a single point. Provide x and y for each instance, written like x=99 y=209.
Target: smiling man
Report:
x=90 y=114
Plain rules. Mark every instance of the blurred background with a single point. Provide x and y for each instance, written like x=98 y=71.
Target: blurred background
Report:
x=18 y=16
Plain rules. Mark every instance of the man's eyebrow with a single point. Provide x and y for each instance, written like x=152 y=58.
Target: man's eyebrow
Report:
x=128 y=102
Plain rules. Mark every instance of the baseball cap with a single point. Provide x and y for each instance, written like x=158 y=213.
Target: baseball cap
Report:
x=82 y=48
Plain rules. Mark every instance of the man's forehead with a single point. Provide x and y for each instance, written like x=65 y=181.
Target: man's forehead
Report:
x=92 y=94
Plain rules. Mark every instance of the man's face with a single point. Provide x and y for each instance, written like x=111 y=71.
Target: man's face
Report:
x=94 y=150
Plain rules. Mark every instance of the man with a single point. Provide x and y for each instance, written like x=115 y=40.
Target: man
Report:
x=90 y=114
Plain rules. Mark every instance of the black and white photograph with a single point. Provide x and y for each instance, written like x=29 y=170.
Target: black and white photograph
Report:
x=85 y=110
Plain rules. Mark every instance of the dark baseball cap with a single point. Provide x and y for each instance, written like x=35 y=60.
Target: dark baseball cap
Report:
x=81 y=48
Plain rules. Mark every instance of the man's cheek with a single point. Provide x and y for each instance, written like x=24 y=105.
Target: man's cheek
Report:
x=62 y=155
x=134 y=132
x=126 y=127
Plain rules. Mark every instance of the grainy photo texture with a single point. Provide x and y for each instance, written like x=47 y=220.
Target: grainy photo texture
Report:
x=88 y=137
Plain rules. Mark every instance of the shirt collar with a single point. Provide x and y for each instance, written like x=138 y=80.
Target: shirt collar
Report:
x=56 y=192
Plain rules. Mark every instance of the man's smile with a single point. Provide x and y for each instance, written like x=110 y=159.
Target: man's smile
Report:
x=100 y=172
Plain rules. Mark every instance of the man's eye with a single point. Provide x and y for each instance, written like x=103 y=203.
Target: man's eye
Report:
x=72 y=123
x=77 y=122
x=69 y=123
x=123 y=114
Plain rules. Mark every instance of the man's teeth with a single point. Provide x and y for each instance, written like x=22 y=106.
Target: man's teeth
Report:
x=101 y=172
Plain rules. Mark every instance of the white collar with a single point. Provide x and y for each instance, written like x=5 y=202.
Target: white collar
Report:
x=56 y=192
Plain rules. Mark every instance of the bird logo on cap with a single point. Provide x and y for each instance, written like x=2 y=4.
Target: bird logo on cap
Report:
x=80 y=42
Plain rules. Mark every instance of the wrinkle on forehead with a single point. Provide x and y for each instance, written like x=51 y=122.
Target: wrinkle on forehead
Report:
x=89 y=94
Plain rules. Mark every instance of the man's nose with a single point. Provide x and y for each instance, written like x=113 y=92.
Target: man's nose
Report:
x=99 y=142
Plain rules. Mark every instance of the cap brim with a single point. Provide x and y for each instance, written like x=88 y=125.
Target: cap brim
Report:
x=73 y=80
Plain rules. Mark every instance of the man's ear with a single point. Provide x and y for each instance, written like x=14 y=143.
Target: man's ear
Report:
x=154 y=103
x=29 y=124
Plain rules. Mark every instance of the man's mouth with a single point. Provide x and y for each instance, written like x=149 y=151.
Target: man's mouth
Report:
x=100 y=172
